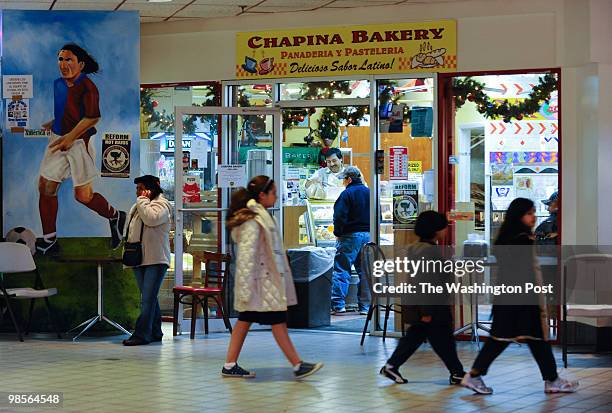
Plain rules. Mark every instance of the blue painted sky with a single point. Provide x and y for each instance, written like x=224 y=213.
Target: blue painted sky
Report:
x=30 y=42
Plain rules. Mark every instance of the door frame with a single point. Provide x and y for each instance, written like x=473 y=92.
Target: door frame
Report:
x=446 y=129
x=224 y=158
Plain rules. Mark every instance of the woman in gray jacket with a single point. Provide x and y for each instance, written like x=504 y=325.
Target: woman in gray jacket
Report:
x=150 y=216
x=263 y=283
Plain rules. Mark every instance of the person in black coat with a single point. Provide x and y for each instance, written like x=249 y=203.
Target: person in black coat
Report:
x=517 y=318
x=431 y=322
x=352 y=231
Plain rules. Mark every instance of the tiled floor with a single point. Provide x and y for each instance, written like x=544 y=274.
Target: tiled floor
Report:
x=180 y=375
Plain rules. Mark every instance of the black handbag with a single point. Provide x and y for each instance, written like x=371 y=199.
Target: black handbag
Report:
x=132 y=251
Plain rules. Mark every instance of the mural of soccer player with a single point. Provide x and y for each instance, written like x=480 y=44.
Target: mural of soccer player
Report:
x=71 y=150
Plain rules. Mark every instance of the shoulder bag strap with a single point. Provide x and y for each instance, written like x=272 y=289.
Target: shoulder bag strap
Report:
x=127 y=233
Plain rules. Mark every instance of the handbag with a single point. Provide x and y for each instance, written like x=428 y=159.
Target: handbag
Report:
x=132 y=251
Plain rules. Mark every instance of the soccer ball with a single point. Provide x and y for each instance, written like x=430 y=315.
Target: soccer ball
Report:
x=23 y=236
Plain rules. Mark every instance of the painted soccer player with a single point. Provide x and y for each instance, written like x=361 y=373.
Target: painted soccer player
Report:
x=71 y=150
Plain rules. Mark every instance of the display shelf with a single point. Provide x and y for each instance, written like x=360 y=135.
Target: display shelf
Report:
x=321 y=215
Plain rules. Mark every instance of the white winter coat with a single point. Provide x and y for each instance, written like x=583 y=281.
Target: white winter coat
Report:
x=263 y=280
x=155 y=215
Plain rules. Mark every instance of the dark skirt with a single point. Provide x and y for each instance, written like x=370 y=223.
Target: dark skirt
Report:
x=514 y=322
x=267 y=318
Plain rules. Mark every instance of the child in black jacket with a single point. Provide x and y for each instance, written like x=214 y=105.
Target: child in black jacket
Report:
x=431 y=322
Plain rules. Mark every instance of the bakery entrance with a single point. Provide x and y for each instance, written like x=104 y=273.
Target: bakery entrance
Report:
x=328 y=125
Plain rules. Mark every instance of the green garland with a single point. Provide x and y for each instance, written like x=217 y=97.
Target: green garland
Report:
x=473 y=91
x=331 y=117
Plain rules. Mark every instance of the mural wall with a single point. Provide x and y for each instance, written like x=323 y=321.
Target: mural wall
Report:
x=70 y=123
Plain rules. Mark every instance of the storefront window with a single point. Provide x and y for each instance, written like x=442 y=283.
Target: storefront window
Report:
x=337 y=89
x=200 y=148
x=406 y=136
x=157 y=127
x=251 y=95
x=499 y=160
x=308 y=135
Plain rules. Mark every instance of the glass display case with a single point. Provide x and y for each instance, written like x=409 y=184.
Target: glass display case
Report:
x=321 y=216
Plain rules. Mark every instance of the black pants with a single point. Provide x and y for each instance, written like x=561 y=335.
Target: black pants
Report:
x=540 y=349
x=440 y=336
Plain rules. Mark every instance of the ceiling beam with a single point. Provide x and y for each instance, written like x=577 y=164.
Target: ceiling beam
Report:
x=120 y=4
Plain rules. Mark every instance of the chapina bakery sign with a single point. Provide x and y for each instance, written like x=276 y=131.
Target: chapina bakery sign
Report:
x=379 y=49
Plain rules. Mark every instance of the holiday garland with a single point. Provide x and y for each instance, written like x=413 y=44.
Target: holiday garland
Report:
x=473 y=91
x=328 y=125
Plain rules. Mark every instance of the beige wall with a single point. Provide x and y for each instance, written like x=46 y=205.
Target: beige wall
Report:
x=205 y=50
x=492 y=35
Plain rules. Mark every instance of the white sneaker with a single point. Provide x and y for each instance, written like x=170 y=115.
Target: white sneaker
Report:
x=560 y=385
x=338 y=311
x=475 y=384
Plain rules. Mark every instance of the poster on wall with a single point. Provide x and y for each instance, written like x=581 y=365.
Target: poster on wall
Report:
x=116 y=155
x=78 y=91
x=405 y=204
x=17 y=86
x=17 y=114
x=348 y=50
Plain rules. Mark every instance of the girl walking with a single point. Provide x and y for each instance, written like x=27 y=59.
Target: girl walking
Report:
x=431 y=322
x=264 y=286
x=516 y=258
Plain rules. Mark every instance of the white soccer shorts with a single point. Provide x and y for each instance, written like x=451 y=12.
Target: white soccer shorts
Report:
x=78 y=162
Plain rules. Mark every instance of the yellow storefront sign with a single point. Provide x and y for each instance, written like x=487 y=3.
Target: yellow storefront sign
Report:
x=337 y=51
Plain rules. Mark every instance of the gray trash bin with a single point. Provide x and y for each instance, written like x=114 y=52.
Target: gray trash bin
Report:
x=312 y=273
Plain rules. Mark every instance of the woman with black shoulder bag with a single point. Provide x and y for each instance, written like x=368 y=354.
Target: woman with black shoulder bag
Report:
x=147 y=252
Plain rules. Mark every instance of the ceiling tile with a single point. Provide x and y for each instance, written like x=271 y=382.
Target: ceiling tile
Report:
x=98 y=5
x=105 y=2
x=30 y=5
x=226 y=2
x=358 y=3
x=302 y=4
x=154 y=9
x=174 y=2
x=201 y=11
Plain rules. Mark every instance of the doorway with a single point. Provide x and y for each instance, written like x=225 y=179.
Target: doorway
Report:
x=205 y=177
x=488 y=161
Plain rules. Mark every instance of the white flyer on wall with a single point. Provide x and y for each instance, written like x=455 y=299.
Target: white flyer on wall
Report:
x=17 y=85
x=231 y=176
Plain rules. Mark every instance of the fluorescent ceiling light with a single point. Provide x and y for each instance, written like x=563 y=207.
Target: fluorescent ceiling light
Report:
x=159 y=1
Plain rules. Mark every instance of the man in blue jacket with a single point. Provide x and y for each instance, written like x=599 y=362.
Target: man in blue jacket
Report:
x=352 y=229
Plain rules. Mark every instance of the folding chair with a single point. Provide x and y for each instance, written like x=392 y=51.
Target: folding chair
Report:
x=370 y=253
x=16 y=258
x=587 y=290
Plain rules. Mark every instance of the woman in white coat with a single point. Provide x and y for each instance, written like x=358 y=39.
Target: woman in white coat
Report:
x=149 y=220
x=263 y=284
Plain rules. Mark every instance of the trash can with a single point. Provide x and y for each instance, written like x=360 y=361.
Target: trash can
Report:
x=312 y=274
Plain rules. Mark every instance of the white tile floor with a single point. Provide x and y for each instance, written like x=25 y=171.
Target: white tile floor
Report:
x=180 y=375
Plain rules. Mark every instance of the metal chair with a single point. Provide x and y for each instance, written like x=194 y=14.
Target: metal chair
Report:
x=17 y=258
x=370 y=253
x=587 y=290
x=216 y=277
